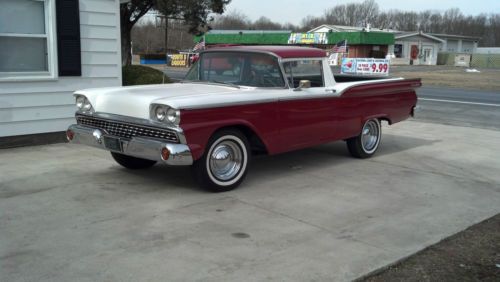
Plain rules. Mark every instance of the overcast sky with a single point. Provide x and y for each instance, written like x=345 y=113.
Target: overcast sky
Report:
x=293 y=11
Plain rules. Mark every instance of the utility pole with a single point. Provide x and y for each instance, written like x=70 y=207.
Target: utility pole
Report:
x=166 y=35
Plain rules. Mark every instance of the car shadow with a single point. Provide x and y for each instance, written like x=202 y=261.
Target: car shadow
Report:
x=262 y=167
x=330 y=154
x=157 y=178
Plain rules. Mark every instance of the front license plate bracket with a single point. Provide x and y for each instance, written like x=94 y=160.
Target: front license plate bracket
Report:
x=112 y=143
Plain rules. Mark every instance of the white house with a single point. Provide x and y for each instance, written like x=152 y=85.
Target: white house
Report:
x=416 y=48
x=49 y=49
x=458 y=43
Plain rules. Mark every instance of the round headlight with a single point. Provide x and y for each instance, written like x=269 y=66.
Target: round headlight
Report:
x=160 y=113
x=80 y=101
x=172 y=115
x=86 y=105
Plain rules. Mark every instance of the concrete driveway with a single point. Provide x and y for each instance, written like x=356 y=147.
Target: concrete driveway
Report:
x=69 y=213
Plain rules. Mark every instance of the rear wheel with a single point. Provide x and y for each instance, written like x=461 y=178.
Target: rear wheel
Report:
x=366 y=143
x=132 y=162
x=224 y=164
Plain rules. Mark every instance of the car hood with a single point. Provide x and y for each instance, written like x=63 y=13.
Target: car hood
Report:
x=135 y=101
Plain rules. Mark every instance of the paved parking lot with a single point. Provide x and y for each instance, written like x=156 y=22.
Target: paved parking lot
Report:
x=69 y=213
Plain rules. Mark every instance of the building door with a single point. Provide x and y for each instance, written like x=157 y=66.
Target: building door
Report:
x=427 y=55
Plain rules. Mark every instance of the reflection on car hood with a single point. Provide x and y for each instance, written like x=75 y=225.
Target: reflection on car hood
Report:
x=135 y=100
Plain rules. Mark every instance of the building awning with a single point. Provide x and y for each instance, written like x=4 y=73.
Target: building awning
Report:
x=362 y=38
x=282 y=38
x=244 y=37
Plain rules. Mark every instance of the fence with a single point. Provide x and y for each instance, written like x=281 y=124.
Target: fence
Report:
x=477 y=60
x=446 y=59
x=485 y=61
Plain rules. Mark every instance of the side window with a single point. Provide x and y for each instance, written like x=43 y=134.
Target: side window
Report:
x=311 y=70
x=264 y=71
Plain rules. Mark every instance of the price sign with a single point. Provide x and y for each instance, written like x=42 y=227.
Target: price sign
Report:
x=365 y=66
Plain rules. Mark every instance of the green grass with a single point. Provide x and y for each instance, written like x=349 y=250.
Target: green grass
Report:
x=139 y=75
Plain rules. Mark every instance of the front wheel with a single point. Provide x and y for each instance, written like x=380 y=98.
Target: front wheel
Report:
x=224 y=164
x=132 y=162
x=366 y=143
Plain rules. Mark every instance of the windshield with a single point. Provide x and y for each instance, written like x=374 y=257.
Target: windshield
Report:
x=237 y=68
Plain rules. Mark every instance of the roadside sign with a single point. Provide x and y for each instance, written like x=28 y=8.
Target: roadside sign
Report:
x=179 y=60
x=365 y=66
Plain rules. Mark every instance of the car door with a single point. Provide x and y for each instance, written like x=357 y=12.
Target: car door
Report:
x=306 y=114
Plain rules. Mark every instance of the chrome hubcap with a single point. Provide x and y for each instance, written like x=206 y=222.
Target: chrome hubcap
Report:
x=370 y=135
x=226 y=160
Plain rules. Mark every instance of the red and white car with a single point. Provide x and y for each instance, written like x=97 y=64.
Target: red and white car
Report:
x=236 y=102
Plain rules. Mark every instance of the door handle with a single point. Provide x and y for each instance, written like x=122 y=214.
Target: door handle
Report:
x=330 y=90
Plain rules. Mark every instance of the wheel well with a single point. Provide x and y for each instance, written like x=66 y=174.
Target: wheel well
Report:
x=256 y=145
x=381 y=119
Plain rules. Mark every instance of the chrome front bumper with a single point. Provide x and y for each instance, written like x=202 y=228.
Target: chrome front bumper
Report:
x=140 y=147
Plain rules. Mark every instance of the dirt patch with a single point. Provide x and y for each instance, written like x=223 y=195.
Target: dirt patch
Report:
x=471 y=255
x=488 y=79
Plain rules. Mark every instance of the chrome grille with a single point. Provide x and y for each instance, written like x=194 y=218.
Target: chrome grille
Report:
x=127 y=130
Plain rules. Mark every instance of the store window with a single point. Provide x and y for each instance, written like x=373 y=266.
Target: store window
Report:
x=398 y=50
x=26 y=39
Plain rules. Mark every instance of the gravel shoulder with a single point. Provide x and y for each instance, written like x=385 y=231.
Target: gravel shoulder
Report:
x=470 y=255
x=454 y=77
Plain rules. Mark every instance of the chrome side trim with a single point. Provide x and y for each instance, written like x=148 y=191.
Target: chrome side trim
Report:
x=230 y=104
x=140 y=147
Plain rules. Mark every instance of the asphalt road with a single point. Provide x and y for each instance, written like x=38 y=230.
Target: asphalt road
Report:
x=479 y=109
x=175 y=73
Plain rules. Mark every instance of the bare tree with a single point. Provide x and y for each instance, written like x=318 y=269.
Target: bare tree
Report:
x=367 y=12
x=147 y=38
x=264 y=23
x=233 y=20
x=130 y=13
x=311 y=22
x=451 y=21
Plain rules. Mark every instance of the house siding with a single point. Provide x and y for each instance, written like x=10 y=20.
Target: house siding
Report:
x=423 y=44
x=31 y=107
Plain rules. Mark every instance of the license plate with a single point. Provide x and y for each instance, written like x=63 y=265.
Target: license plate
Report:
x=112 y=143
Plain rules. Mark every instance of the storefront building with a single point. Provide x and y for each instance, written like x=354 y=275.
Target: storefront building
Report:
x=360 y=44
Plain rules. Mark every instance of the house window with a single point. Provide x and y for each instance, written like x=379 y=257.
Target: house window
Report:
x=26 y=39
x=398 y=50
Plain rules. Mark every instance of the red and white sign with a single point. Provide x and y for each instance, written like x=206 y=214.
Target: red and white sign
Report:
x=365 y=66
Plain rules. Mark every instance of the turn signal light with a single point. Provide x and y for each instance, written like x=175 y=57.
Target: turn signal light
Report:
x=165 y=154
x=70 y=135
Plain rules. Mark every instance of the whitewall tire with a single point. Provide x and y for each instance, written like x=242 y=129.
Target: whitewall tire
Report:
x=366 y=143
x=225 y=162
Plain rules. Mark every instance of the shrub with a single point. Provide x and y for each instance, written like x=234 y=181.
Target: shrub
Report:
x=138 y=75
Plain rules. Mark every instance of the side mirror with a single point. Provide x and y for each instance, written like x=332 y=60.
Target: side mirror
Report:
x=303 y=84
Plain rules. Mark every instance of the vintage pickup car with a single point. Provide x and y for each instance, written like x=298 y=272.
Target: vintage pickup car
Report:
x=236 y=102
